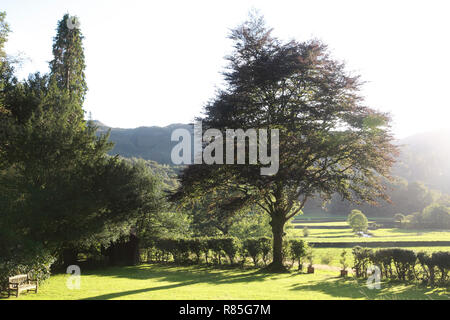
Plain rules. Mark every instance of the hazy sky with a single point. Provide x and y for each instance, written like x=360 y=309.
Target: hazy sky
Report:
x=158 y=62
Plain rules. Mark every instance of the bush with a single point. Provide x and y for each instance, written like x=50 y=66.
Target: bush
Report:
x=441 y=260
x=230 y=246
x=266 y=248
x=254 y=249
x=343 y=260
x=326 y=258
x=305 y=232
x=362 y=258
x=298 y=250
x=401 y=264
x=357 y=221
x=27 y=258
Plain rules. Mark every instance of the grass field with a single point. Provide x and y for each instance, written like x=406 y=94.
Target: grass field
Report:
x=166 y=282
x=172 y=282
x=347 y=235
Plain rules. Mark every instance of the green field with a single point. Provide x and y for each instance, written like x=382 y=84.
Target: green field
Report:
x=171 y=282
x=382 y=234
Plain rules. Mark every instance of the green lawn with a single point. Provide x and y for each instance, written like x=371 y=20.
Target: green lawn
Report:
x=171 y=282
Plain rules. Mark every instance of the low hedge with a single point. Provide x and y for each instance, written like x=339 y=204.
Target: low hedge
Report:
x=218 y=250
x=404 y=264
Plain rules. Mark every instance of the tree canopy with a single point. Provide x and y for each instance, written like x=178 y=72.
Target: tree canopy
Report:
x=329 y=141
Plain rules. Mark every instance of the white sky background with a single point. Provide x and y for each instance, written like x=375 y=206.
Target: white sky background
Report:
x=158 y=62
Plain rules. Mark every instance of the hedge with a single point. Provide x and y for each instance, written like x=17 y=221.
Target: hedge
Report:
x=217 y=250
x=404 y=264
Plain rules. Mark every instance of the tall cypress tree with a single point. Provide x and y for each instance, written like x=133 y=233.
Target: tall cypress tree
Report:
x=67 y=66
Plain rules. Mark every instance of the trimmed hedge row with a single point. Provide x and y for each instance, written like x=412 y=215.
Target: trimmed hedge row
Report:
x=381 y=244
x=217 y=250
x=404 y=264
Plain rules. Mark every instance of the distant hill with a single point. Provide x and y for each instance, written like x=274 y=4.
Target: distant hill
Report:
x=424 y=157
x=149 y=143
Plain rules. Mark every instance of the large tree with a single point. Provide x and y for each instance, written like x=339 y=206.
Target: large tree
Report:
x=329 y=141
x=59 y=187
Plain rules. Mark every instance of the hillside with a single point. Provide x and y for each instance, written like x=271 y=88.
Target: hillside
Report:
x=424 y=157
x=149 y=143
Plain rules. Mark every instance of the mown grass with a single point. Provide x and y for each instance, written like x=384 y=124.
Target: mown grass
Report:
x=201 y=282
x=383 y=234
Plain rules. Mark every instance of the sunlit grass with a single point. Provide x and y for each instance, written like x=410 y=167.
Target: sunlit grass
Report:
x=172 y=282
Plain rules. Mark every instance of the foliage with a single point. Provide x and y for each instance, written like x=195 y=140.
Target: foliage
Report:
x=357 y=221
x=298 y=251
x=343 y=260
x=328 y=143
x=434 y=216
x=60 y=190
x=400 y=264
x=399 y=217
x=306 y=232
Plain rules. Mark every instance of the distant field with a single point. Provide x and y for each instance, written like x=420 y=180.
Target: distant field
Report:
x=383 y=234
x=320 y=216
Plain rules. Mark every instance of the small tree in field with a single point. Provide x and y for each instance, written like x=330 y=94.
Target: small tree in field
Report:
x=399 y=217
x=357 y=221
x=343 y=260
x=305 y=232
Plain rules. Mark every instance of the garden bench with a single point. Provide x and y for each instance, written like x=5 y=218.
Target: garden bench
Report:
x=21 y=282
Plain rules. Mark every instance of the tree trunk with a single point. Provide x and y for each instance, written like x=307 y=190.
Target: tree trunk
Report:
x=277 y=224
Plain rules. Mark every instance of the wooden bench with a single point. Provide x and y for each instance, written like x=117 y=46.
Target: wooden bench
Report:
x=21 y=282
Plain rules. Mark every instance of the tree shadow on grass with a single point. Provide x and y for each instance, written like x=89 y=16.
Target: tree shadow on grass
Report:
x=180 y=276
x=357 y=289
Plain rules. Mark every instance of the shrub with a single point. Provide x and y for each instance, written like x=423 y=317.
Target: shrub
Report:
x=442 y=261
x=305 y=232
x=254 y=249
x=285 y=250
x=343 y=260
x=326 y=258
x=298 y=250
x=404 y=262
x=32 y=259
x=229 y=245
x=214 y=244
x=310 y=255
x=266 y=248
x=362 y=258
x=197 y=246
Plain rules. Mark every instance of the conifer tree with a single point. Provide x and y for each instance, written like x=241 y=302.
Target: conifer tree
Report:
x=68 y=65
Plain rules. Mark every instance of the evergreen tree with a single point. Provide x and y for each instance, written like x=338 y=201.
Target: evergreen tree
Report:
x=67 y=66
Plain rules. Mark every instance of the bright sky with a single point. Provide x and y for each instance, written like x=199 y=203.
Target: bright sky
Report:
x=158 y=62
